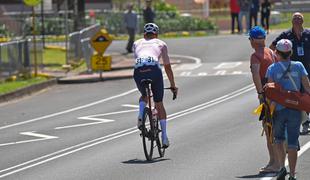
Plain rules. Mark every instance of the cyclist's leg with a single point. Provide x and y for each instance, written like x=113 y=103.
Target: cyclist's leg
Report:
x=162 y=120
x=158 y=94
x=138 y=76
x=142 y=103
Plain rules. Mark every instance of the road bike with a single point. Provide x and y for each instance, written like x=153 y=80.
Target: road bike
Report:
x=150 y=129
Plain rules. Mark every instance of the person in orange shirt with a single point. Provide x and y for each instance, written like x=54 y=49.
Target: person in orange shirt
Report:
x=261 y=59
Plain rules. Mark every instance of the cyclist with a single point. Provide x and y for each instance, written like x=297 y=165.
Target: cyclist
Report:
x=147 y=52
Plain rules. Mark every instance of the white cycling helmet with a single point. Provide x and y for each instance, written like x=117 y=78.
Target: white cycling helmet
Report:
x=151 y=28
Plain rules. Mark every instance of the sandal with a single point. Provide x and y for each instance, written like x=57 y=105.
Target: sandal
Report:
x=268 y=169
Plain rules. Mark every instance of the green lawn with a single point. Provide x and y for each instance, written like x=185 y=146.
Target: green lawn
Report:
x=287 y=17
x=54 y=58
x=7 y=87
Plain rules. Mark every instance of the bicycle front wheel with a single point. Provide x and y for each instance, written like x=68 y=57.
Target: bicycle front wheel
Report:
x=161 y=150
x=147 y=134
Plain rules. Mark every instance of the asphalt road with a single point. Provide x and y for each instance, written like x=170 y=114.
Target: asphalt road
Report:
x=88 y=131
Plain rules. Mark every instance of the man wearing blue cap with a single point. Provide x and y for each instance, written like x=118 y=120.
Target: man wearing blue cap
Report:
x=261 y=59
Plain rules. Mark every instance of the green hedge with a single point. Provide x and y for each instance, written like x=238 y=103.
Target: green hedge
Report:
x=167 y=22
x=185 y=24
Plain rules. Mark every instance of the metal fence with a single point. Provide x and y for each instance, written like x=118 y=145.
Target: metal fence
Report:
x=14 y=58
x=292 y=6
x=18 y=57
x=78 y=44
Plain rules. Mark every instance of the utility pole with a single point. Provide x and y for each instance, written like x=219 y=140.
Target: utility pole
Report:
x=42 y=22
x=81 y=13
x=34 y=43
x=66 y=30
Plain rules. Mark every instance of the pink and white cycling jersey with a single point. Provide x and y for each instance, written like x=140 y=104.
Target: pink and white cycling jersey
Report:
x=149 y=51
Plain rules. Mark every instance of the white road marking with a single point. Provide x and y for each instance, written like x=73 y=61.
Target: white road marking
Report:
x=42 y=137
x=237 y=72
x=303 y=149
x=90 y=118
x=202 y=74
x=130 y=105
x=88 y=144
x=221 y=72
x=70 y=110
x=228 y=65
x=187 y=66
x=218 y=73
x=197 y=60
x=99 y=120
x=186 y=73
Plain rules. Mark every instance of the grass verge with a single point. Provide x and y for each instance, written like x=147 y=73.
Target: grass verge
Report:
x=6 y=87
x=53 y=59
x=287 y=23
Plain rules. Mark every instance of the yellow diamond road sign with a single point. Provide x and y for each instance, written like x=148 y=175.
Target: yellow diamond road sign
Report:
x=32 y=2
x=101 y=40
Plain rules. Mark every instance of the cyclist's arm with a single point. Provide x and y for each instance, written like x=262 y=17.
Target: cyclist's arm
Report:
x=170 y=75
x=167 y=65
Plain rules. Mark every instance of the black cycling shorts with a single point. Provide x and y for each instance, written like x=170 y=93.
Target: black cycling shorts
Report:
x=155 y=74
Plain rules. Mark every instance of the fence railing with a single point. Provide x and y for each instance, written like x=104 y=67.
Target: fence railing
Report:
x=14 y=58
x=17 y=57
x=292 y=6
x=79 y=47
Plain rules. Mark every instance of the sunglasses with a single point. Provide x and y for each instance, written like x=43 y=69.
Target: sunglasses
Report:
x=297 y=17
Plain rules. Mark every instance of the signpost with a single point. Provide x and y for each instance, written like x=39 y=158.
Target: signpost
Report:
x=34 y=3
x=100 y=42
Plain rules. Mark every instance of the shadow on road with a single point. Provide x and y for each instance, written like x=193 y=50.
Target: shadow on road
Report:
x=260 y=175
x=139 y=161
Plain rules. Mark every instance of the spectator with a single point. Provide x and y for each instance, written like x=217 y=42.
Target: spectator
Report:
x=300 y=38
x=290 y=75
x=265 y=14
x=131 y=22
x=244 y=12
x=148 y=13
x=234 y=12
x=261 y=59
x=254 y=12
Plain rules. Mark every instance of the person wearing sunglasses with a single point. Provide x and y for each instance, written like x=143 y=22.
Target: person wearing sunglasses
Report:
x=300 y=38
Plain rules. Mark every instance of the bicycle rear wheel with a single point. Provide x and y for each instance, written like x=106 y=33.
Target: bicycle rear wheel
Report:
x=147 y=134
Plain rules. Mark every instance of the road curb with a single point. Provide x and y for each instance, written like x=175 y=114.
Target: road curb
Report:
x=92 y=79
x=27 y=90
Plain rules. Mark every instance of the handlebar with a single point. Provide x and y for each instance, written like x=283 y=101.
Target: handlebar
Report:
x=173 y=91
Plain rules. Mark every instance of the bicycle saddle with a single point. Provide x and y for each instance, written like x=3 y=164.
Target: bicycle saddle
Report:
x=146 y=81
